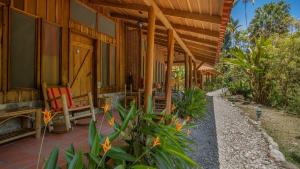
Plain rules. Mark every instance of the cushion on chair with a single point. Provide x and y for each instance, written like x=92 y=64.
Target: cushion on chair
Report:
x=54 y=92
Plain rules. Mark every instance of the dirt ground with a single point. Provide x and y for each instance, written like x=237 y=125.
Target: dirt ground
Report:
x=283 y=127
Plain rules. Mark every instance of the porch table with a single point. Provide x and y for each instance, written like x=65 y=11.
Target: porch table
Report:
x=27 y=112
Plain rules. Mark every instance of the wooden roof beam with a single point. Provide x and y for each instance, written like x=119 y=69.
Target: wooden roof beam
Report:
x=193 y=50
x=192 y=29
x=205 y=42
x=167 y=24
x=201 y=49
x=215 y=19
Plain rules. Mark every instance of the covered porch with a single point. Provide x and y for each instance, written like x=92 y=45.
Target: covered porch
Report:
x=108 y=51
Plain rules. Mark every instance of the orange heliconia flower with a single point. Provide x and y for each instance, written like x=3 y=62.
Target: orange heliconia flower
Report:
x=111 y=122
x=189 y=132
x=156 y=142
x=106 y=108
x=178 y=126
x=106 y=146
x=188 y=118
x=47 y=116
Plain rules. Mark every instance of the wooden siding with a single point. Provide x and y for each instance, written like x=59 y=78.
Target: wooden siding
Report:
x=135 y=58
x=56 y=12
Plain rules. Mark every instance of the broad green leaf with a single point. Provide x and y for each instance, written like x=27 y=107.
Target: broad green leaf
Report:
x=132 y=111
x=70 y=154
x=76 y=162
x=142 y=167
x=97 y=161
x=182 y=156
x=95 y=151
x=121 y=111
x=52 y=160
x=119 y=154
x=92 y=132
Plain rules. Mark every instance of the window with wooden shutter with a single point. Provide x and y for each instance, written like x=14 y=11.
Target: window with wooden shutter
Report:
x=82 y=14
x=106 y=26
x=108 y=65
x=51 y=52
x=112 y=66
x=22 y=50
x=104 y=64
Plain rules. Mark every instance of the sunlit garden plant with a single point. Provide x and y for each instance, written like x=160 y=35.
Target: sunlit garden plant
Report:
x=191 y=103
x=150 y=142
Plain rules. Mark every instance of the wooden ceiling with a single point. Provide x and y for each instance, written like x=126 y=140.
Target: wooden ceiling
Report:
x=200 y=24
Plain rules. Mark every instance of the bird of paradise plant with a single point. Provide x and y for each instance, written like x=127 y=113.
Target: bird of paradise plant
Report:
x=47 y=117
x=150 y=144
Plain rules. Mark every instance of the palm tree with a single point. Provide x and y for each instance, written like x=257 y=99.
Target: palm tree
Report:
x=253 y=62
x=245 y=2
x=231 y=33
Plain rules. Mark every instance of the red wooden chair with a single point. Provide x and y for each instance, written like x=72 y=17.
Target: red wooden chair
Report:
x=59 y=100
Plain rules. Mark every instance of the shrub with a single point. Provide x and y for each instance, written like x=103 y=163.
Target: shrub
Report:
x=294 y=103
x=151 y=142
x=240 y=88
x=191 y=103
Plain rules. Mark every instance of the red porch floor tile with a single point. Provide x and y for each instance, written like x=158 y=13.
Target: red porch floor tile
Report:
x=23 y=153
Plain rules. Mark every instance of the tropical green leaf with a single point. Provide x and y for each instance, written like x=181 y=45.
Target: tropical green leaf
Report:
x=69 y=153
x=52 y=160
x=182 y=156
x=142 y=167
x=119 y=154
x=76 y=162
x=92 y=132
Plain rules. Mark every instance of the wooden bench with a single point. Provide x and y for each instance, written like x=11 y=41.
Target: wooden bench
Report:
x=26 y=112
x=59 y=100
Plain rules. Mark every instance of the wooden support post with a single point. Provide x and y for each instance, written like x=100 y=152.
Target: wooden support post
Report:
x=38 y=118
x=195 y=73
x=66 y=112
x=190 y=72
x=186 y=71
x=92 y=110
x=201 y=80
x=171 y=43
x=149 y=58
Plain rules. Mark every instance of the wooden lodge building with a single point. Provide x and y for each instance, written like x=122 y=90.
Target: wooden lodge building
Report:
x=99 y=46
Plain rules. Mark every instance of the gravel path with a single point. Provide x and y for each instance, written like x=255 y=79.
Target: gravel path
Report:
x=205 y=149
x=240 y=145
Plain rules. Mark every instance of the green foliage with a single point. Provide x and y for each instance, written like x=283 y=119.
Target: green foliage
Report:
x=285 y=68
x=294 y=104
x=263 y=62
x=139 y=130
x=269 y=19
x=52 y=160
x=254 y=63
x=240 y=87
x=191 y=103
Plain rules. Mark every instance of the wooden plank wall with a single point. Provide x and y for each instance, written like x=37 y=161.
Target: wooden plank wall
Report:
x=57 y=12
x=134 y=54
x=133 y=58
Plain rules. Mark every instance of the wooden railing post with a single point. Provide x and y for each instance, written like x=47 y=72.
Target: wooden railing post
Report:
x=169 y=71
x=149 y=58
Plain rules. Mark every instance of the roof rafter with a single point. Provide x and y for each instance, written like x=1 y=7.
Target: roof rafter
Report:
x=201 y=31
x=170 y=12
x=167 y=24
x=194 y=50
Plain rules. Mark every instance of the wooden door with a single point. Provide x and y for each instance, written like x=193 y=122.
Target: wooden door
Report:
x=81 y=65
